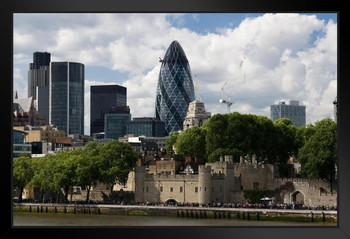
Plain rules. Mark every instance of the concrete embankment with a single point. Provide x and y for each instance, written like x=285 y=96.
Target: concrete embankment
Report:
x=193 y=212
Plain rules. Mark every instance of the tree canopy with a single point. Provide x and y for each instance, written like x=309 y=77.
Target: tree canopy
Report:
x=318 y=155
x=84 y=167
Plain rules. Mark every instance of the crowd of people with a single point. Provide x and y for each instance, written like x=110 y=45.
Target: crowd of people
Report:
x=239 y=205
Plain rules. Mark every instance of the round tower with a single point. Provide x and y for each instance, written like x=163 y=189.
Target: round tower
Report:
x=204 y=183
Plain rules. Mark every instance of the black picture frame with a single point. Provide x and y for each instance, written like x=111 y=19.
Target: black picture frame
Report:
x=342 y=8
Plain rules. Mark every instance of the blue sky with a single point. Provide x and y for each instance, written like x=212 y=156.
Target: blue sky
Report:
x=286 y=56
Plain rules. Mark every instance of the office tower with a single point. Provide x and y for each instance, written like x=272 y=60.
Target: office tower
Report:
x=38 y=82
x=174 y=89
x=293 y=111
x=147 y=126
x=102 y=99
x=115 y=122
x=42 y=101
x=67 y=96
x=38 y=74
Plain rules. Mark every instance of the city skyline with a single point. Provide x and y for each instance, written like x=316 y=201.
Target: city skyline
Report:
x=281 y=63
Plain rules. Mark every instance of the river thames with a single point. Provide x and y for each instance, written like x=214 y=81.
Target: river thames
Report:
x=80 y=220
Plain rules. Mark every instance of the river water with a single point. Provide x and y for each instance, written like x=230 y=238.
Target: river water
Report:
x=61 y=219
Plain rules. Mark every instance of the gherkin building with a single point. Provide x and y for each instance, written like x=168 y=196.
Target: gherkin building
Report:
x=174 y=89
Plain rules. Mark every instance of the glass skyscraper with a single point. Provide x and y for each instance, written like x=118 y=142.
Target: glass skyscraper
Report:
x=102 y=99
x=174 y=89
x=293 y=111
x=67 y=96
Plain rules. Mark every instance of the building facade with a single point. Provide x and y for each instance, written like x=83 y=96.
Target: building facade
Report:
x=115 y=122
x=209 y=185
x=19 y=144
x=38 y=74
x=175 y=88
x=196 y=115
x=295 y=112
x=102 y=99
x=46 y=133
x=67 y=97
x=147 y=126
x=24 y=113
x=38 y=82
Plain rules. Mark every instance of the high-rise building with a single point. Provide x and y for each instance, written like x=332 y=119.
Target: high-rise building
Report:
x=38 y=82
x=38 y=74
x=175 y=88
x=115 y=122
x=66 y=96
x=147 y=126
x=196 y=115
x=293 y=111
x=102 y=99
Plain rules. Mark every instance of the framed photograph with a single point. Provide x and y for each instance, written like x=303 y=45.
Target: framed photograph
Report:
x=217 y=118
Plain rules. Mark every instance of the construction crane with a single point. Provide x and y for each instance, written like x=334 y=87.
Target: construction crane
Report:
x=227 y=99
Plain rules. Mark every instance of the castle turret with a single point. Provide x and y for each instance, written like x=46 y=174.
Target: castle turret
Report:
x=204 y=182
x=229 y=183
x=139 y=183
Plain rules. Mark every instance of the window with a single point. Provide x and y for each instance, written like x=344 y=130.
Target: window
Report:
x=180 y=189
x=147 y=189
x=171 y=189
x=196 y=189
x=161 y=188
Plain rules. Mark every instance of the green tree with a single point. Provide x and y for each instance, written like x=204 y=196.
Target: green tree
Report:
x=171 y=141
x=216 y=133
x=64 y=171
x=265 y=136
x=118 y=159
x=318 y=156
x=191 y=142
x=302 y=135
x=22 y=173
x=285 y=140
x=88 y=167
x=43 y=174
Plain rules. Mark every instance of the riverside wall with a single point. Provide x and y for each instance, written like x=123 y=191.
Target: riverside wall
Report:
x=195 y=212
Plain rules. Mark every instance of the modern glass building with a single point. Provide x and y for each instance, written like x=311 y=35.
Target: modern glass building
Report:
x=102 y=99
x=20 y=146
x=147 y=126
x=293 y=111
x=175 y=88
x=66 y=106
x=115 y=122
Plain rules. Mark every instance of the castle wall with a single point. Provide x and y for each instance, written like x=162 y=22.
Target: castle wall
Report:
x=255 y=173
